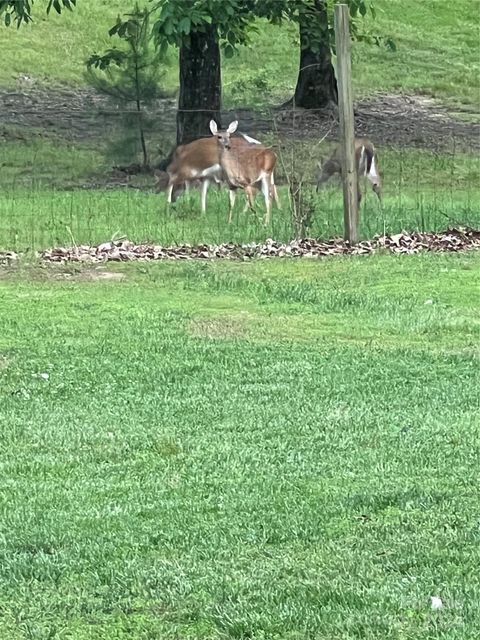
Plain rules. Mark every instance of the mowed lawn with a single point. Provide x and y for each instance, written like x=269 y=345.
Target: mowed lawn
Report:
x=268 y=450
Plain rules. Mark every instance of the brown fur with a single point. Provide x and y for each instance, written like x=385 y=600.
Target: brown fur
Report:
x=196 y=156
x=245 y=167
x=334 y=166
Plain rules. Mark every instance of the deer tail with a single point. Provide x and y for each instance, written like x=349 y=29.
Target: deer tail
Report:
x=250 y=139
x=369 y=155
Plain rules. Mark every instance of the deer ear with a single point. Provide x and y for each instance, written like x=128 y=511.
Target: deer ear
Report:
x=213 y=127
x=232 y=127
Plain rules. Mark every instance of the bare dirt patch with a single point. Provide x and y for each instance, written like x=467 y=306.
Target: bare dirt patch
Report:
x=74 y=115
x=218 y=328
x=388 y=119
x=83 y=116
x=105 y=276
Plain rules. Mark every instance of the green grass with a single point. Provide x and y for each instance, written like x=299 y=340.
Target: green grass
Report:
x=35 y=158
x=422 y=190
x=277 y=450
x=38 y=159
x=437 y=52
x=41 y=219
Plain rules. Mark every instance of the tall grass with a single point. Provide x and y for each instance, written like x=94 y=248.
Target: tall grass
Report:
x=422 y=190
x=32 y=219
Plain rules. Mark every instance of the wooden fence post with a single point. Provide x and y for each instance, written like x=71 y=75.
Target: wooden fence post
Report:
x=347 y=123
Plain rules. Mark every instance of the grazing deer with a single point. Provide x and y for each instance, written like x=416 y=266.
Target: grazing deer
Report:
x=244 y=167
x=199 y=161
x=367 y=165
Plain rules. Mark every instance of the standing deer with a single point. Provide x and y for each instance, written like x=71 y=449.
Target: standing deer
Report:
x=244 y=167
x=367 y=165
x=200 y=161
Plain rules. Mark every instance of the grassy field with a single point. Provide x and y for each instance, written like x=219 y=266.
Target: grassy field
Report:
x=42 y=219
x=36 y=159
x=265 y=450
x=280 y=450
x=422 y=190
x=444 y=40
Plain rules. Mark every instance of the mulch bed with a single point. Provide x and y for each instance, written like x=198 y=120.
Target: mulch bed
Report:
x=459 y=239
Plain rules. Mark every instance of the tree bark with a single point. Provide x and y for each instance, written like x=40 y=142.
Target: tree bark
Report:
x=200 y=86
x=316 y=84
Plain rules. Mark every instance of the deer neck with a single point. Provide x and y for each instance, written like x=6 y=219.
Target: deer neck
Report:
x=232 y=167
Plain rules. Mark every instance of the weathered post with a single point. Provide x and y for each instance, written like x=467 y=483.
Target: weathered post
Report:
x=347 y=123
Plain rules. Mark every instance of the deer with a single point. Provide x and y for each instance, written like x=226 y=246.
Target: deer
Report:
x=367 y=165
x=245 y=167
x=199 y=161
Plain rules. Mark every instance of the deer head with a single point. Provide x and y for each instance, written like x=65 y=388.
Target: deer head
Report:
x=223 y=137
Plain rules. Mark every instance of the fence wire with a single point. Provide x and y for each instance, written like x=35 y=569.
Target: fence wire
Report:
x=71 y=172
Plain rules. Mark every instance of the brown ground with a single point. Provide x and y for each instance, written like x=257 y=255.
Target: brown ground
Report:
x=388 y=119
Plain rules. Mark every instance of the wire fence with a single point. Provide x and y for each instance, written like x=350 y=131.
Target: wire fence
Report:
x=71 y=174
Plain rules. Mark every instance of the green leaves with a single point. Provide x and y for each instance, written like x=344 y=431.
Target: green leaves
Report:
x=184 y=25
x=111 y=56
x=177 y=19
x=124 y=28
x=21 y=10
x=58 y=5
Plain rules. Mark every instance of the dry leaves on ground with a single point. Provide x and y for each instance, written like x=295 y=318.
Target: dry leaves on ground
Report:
x=405 y=242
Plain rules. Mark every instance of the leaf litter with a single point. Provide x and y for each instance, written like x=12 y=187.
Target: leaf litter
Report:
x=122 y=250
x=456 y=239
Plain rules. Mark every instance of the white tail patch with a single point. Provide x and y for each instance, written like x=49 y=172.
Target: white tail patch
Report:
x=373 y=170
x=250 y=139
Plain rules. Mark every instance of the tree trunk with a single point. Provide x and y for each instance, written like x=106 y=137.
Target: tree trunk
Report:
x=316 y=84
x=200 y=86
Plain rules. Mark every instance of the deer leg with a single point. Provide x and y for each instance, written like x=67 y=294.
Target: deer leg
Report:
x=250 y=199
x=250 y=191
x=267 y=194
x=330 y=168
x=205 y=184
x=378 y=191
x=170 y=193
x=247 y=205
x=322 y=179
x=274 y=193
x=231 y=198
x=359 y=193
